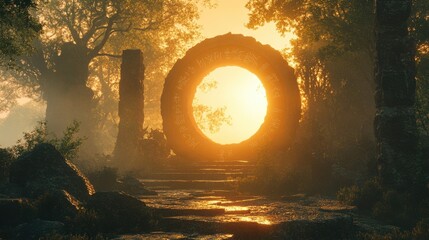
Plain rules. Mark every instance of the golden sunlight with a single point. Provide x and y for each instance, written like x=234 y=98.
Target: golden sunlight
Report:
x=230 y=105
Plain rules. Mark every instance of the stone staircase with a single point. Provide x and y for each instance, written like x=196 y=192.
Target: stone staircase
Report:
x=198 y=200
x=202 y=175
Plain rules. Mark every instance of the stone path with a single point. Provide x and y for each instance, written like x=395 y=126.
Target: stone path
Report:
x=198 y=201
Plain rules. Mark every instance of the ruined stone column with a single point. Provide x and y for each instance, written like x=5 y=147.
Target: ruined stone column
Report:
x=131 y=105
x=395 y=122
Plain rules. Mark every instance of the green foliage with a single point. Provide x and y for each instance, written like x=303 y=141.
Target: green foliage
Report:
x=209 y=118
x=403 y=209
x=419 y=232
x=18 y=28
x=154 y=147
x=334 y=56
x=68 y=145
x=206 y=117
x=333 y=53
x=364 y=197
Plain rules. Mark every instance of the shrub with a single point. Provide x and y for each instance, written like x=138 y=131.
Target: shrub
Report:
x=68 y=145
x=154 y=148
x=419 y=232
x=364 y=197
x=402 y=209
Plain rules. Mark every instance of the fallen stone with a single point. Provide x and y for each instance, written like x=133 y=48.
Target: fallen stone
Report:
x=118 y=213
x=133 y=186
x=44 y=169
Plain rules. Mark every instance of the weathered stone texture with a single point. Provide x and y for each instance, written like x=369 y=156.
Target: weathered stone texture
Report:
x=45 y=170
x=395 y=124
x=131 y=109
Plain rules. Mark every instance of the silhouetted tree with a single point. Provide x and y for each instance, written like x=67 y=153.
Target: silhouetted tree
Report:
x=334 y=54
x=77 y=33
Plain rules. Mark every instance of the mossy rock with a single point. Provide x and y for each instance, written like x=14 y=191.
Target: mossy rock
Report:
x=15 y=211
x=44 y=169
x=117 y=212
x=57 y=205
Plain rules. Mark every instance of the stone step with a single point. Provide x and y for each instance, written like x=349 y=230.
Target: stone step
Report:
x=207 y=167
x=174 y=235
x=245 y=227
x=194 y=175
x=188 y=184
x=203 y=170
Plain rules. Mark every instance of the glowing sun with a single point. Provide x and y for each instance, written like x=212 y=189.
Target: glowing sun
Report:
x=230 y=105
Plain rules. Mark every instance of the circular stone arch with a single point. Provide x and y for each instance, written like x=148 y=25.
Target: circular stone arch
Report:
x=283 y=110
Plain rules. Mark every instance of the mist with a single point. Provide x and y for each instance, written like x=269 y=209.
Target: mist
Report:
x=214 y=119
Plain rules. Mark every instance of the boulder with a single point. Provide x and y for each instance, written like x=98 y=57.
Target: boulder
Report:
x=57 y=205
x=10 y=190
x=44 y=169
x=133 y=186
x=14 y=211
x=118 y=212
x=37 y=229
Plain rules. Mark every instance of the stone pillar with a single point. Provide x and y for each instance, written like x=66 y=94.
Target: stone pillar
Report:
x=127 y=151
x=395 y=122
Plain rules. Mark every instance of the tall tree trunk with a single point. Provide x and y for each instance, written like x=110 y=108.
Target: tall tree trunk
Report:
x=395 y=123
x=67 y=96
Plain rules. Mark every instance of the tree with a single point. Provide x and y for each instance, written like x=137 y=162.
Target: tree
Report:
x=334 y=51
x=18 y=28
x=333 y=60
x=78 y=33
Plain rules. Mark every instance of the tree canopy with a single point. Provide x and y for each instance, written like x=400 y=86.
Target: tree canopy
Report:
x=18 y=28
x=82 y=42
x=334 y=53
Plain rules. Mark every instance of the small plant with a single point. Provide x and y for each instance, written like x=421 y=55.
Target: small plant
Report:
x=364 y=197
x=399 y=208
x=68 y=145
x=154 y=148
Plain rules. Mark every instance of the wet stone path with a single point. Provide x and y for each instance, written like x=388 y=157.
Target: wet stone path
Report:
x=198 y=201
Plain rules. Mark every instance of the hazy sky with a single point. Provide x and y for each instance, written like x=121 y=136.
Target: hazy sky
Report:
x=240 y=90
x=232 y=16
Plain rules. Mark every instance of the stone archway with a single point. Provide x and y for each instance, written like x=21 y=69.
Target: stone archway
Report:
x=277 y=77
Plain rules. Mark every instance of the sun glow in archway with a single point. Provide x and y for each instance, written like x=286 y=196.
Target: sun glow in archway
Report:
x=230 y=105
